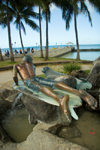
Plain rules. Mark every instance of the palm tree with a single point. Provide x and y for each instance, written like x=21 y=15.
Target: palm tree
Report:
x=44 y=5
x=9 y=32
x=96 y=4
x=5 y=20
x=1 y=57
x=40 y=32
x=73 y=8
x=46 y=12
x=22 y=12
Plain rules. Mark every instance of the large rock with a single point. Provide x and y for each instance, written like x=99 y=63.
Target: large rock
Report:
x=42 y=111
x=94 y=76
x=4 y=107
x=40 y=139
x=7 y=94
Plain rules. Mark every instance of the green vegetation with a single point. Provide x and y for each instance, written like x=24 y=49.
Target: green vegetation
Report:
x=7 y=63
x=35 y=60
x=42 y=75
x=87 y=72
x=68 y=68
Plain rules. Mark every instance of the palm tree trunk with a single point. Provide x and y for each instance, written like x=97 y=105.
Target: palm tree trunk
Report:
x=40 y=32
x=21 y=39
x=46 y=54
x=1 y=57
x=9 y=34
x=76 y=34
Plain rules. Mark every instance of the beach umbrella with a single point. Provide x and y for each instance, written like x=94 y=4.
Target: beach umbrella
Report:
x=70 y=43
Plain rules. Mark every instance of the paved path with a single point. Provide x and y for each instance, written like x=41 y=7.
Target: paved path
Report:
x=6 y=76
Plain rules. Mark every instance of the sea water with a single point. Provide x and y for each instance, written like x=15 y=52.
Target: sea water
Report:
x=88 y=46
x=86 y=55
x=83 y=55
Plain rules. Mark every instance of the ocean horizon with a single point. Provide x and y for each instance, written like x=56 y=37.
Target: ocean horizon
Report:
x=81 y=46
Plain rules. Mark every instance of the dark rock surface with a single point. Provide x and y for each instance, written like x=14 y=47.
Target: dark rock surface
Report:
x=79 y=74
x=94 y=76
x=4 y=107
x=8 y=94
x=40 y=139
x=42 y=111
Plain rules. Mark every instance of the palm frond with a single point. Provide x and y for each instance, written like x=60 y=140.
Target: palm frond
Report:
x=16 y=22
x=67 y=13
x=84 y=10
x=32 y=24
x=22 y=26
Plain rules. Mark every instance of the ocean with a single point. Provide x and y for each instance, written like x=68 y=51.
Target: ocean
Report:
x=87 y=46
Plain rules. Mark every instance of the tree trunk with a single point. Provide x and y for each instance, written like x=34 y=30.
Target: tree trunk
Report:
x=21 y=39
x=46 y=54
x=1 y=57
x=40 y=32
x=76 y=34
x=9 y=34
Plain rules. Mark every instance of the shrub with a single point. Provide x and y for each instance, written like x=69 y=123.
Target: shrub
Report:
x=87 y=72
x=70 y=67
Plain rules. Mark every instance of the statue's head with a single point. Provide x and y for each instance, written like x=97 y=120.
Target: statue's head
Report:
x=27 y=58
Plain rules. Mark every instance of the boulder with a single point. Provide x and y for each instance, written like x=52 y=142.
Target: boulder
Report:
x=40 y=139
x=42 y=111
x=94 y=76
x=8 y=94
x=78 y=74
x=4 y=107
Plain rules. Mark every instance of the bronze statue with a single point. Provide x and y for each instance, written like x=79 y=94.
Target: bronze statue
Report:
x=26 y=71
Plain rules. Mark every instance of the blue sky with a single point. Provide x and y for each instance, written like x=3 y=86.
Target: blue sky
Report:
x=57 y=31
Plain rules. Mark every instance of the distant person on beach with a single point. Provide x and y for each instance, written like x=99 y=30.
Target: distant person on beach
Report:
x=7 y=53
x=28 y=50
x=16 y=52
x=25 y=51
x=32 y=50
x=20 y=51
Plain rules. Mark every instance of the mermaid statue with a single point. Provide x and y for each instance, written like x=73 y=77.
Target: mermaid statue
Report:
x=56 y=92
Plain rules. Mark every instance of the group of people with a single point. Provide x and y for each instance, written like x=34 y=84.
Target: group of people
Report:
x=28 y=50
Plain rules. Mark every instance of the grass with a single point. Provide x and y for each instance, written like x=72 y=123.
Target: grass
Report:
x=7 y=63
x=68 y=68
x=42 y=75
x=87 y=72
x=35 y=60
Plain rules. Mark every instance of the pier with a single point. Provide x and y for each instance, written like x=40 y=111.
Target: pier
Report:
x=55 y=52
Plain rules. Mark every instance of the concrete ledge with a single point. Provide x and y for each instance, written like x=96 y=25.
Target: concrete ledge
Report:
x=48 y=62
x=87 y=50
